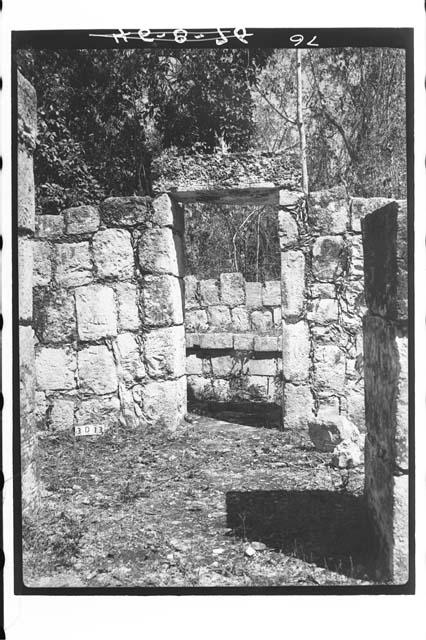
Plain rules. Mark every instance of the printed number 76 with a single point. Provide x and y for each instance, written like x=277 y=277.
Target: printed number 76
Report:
x=297 y=38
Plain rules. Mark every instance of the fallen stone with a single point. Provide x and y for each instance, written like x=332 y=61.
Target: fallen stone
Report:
x=328 y=432
x=346 y=455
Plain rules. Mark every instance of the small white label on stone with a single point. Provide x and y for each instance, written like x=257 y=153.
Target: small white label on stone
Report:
x=89 y=430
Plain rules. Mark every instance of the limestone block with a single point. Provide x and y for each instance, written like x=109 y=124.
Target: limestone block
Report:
x=194 y=364
x=191 y=292
x=97 y=370
x=243 y=342
x=196 y=320
x=221 y=390
x=166 y=213
x=346 y=455
x=219 y=317
x=164 y=402
x=298 y=406
x=261 y=321
x=158 y=253
x=49 y=226
x=289 y=198
x=327 y=405
x=96 y=313
x=232 y=290
x=265 y=343
x=292 y=283
x=200 y=388
x=162 y=301
x=332 y=429
x=26 y=373
x=356 y=408
x=323 y=311
x=40 y=409
x=296 y=348
x=271 y=293
x=323 y=290
x=327 y=258
x=26 y=202
x=165 y=352
x=132 y=367
x=55 y=368
x=361 y=206
x=126 y=212
x=287 y=229
x=192 y=340
x=216 y=341
x=73 y=264
x=277 y=317
x=62 y=414
x=328 y=211
x=25 y=278
x=209 y=292
x=127 y=306
x=42 y=273
x=240 y=319
x=257 y=388
x=84 y=219
x=55 y=318
x=386 y=261
x=99 y=411
x=253 y=295
x=262 y=367
x=329 y=368
x=113 y=253
x=224 y=366
x=400 y=565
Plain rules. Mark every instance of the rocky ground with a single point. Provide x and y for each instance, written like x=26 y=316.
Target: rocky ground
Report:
x=212 y=504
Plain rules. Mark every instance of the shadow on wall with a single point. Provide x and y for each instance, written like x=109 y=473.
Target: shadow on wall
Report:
x=322 y=527
x=251 y=414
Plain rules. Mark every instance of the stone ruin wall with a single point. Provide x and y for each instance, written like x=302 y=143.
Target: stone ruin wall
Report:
x=108 y=315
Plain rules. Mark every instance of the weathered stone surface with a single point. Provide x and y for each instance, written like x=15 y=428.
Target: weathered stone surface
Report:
x=323 y=311
x=232 y=290
x=165 y=352
x=162 y=301
x=265 y=343
x=262 y=367
x=253 y=295
x=296 y=348
x=40 y=409
x=240 y=319
x=196 y=320
x=219 y=317
x=256 y=388
x=55 y=317
x=191 y=292
x=96 y=313
x=164 y=402
x=277 y=316
x=323 y=290
x=84 y=219
x=26 y=203
x=113 y=253
x=97 y=370
x=361 y=206
x=386 y=261
x=243 y=342
x=329 y=431
x=49 y=226
x=73 y=264
x=221 y=390
x=132 y=368
x=27 y=106
x=298 y=406
x=200 y=388
x=271 y=293
x=356 y=408
x=158 y=252
x=192 y=340
x=224 y=366
x=287 y=229
x=327 y=258
x=42 y=273
x=356 y=255
x=127 y=306
x=289 y=198
x=99 y=411
x=55 y=368
x=329 y=368
x=194 y=364
x=346 y=455
x=163 y=211
x=209 y=292
x=292 y=283
x=126 y=212
x=62 y=414
x=216 y=340
x=25 y=278
x=328 y=210
x=261 y=321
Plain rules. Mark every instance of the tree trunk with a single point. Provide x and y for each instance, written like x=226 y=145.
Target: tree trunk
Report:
x=301 y=123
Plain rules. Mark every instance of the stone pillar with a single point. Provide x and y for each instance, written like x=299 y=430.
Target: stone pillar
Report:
x=386 y=386
x=27 y=131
